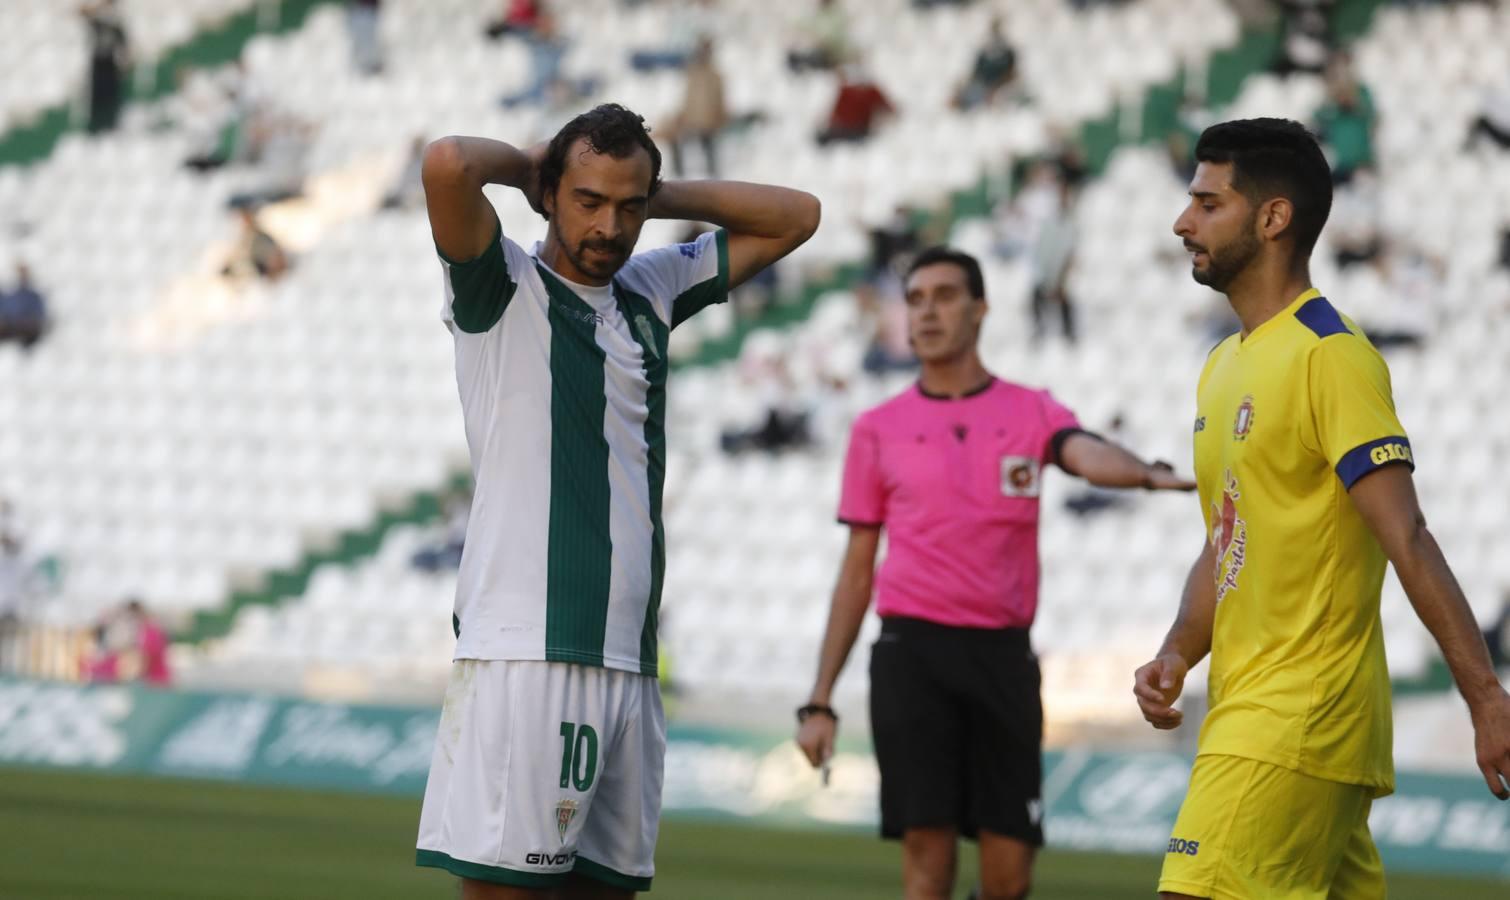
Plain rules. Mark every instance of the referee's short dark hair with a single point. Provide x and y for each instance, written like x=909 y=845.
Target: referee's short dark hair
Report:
x=1275 y=158
x=967 y=263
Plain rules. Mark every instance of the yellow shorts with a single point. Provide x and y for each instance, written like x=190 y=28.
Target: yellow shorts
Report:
x=1250 y=830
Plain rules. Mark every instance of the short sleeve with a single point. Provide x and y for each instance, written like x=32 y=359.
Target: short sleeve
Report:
x=479 y=289
x=682 y=279
x=1352 y=409
x=1057 y=419
x=863 y=497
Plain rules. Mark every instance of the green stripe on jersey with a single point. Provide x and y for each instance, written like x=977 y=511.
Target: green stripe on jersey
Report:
x=481 y=288
x=654 y=338
x=579 y=562
x=707 y=292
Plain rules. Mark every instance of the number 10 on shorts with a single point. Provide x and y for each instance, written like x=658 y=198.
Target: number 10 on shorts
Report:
x=579 y=756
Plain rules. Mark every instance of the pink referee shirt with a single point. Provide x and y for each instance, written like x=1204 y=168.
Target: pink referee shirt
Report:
x=955 y=482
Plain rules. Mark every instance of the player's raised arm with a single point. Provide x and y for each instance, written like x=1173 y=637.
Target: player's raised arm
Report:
x=454 y=170
x=1386 y=499
x=764 y=222
x=1106 y=464
x=1158 y=683
x=850 y=601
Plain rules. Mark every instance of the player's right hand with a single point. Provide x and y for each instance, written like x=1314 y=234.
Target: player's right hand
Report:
x=1157 y=685
x=815 y=737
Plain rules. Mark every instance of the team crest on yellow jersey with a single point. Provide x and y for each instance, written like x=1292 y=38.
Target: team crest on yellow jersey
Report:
x=1244 y=422
x=1229 y=535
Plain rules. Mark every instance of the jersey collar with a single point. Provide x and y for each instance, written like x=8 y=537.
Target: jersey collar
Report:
x=973 y=392
x=1288 y=312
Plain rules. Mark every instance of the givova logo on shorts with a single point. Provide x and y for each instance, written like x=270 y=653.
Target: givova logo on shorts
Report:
x=550 y=859
x=1180 y=845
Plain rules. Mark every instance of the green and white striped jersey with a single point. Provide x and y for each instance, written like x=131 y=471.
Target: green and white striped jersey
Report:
x=563 y=391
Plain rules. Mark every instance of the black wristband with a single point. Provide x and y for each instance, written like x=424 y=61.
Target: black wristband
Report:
x=821 y=709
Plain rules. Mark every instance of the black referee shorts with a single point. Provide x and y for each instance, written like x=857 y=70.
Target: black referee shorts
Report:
x=958 y=727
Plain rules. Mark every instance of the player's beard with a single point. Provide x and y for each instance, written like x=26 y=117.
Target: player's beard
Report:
x=597 y=267
x=1224 y=264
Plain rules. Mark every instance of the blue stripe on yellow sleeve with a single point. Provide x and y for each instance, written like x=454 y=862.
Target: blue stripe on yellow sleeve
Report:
x=1365 y=458
x=1321 y=317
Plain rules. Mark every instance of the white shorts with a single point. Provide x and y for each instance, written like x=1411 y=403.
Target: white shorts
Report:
x=542 y=769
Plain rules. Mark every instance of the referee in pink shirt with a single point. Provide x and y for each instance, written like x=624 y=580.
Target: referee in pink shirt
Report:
x=951 y=469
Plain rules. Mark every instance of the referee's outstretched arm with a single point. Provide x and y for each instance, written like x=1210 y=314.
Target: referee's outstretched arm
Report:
x=819 y=724
x=1105 y=464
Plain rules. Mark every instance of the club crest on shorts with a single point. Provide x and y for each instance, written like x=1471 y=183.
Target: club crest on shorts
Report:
x=566 y=810
x=1244 y=422
x=1019 y=476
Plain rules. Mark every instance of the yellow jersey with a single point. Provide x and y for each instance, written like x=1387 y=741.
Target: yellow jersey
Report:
x=1288 y=420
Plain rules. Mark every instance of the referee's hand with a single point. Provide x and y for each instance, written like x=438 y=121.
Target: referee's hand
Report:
x=1157 y=685
x=815 y=737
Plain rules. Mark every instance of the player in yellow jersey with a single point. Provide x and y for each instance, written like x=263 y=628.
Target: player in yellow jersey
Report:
x=1304 y=474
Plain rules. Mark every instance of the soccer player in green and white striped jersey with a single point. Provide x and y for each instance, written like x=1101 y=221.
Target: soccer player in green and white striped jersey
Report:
x=547 y=770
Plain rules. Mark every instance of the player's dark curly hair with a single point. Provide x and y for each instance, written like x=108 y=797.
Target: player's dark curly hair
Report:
x=1275 y=158
x=968 y=264
x=609 y=129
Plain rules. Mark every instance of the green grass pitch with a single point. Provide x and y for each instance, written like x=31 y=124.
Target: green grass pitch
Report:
x=94 y=837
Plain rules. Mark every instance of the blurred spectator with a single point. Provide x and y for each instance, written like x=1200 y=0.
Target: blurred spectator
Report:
x=1307 y=41
x=547 y=83
x=1345 y=123
x=889 y=349
x=517 y=17
x=1070 y=161
x=1053 y=256
x=362 y=30
x=1354 y=222
x=109 y=55
x=150 y=644
x=692 y=22
x=1181 y=152
x=859 y=107
x=893 y=238
x=447 y=554
x=1493 y=121
x=13 y=575
x=23 y=311
x=276 y=146
x=823 y=41
x=994 y=74
x=407 y=191
x=1404 y=311
x=255 y=251
x=703 y=114
x=782 y=422
x=207 y=109
x=100 y=662
x=1019 y=218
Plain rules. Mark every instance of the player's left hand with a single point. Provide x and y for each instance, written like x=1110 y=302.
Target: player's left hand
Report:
x=1162 y=477
x=1491 y=737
